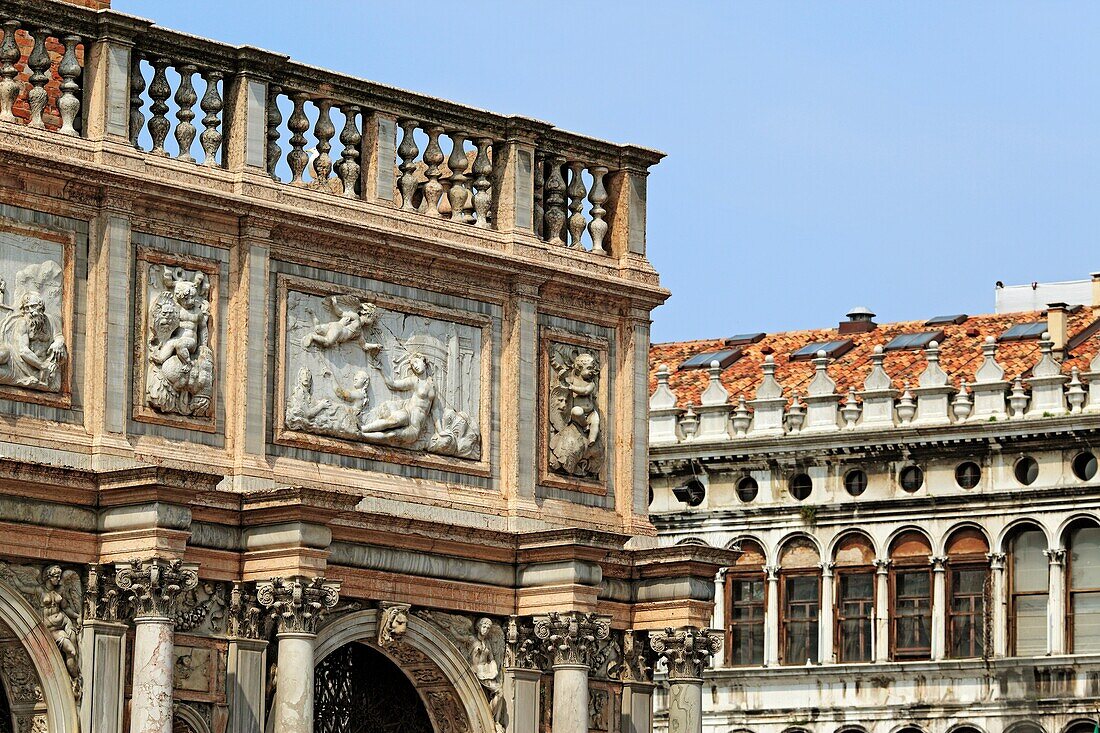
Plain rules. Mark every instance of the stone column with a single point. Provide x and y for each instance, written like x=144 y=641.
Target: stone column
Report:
x=771 y=616
x=102 y=656
x=522 y=675
x=882 y=610
x=570 y=640
x=998 y=615
x=297 y=606
x=687 y=652
x=939 y=606
x=718 y=619
x=154 y=588
x=825 y=616
x=1056 y=614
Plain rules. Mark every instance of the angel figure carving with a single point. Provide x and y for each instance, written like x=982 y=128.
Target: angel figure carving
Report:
x=483 y=644
x=32 y=345
x=576 y=440
x=354 y=319
x=180 y=376
x=58 y=596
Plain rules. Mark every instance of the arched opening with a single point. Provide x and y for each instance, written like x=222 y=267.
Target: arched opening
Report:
x=911 y=596
x=745 y=601
x=799 y=601
x=855 y=597
x=968 y=584
x=1029 y=589
x=1082 y=542
x=359 y=690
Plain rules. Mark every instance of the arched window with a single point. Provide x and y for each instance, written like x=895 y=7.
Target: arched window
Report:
x=967 y=585
x=1028 y=590
x=1083 y=557
x=910 y=597
x=855 y=598
x=745 y=600
x=800 y=601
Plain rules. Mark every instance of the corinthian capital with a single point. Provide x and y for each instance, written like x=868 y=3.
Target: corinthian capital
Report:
x=687 y=650
x=154 y=586
x=297 y=604
x=571 y=638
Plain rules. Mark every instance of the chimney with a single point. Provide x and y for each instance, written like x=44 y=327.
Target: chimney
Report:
x=93 y=4
x=860 y=320
x=1058 y=326
x=1096 y=295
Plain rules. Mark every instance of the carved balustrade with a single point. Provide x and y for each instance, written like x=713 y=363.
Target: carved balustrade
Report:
x=41 y=70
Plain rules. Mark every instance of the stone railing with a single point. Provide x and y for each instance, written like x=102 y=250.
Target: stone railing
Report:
x=112 y=77
x=1046 y=391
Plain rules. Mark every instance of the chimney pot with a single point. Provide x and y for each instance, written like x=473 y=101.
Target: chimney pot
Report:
x=1057 y=327
x=860 y=320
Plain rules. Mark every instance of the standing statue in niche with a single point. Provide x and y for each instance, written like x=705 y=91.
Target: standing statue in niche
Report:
x=576 y=441
x=58 y=596
x=32 y=344
x=180 y=376
x=354 y=320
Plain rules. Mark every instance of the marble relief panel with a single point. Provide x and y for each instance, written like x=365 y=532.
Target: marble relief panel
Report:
x=36 y=314
x=365 y=374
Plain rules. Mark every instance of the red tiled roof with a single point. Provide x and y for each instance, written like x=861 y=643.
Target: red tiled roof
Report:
x=960 y=355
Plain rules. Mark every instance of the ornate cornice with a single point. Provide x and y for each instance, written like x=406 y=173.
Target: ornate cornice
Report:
x=154 y=586
x=297 y=604
x=571 y=638
x=687 y=650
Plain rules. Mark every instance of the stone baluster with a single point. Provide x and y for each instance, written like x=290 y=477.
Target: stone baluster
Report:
x=939 y=606
x=882 y=610
x=796 y=415
x=714 y=409
x=154 y=588
x=554 y=202
x=663 y=411
x=1093 y=377
x=1047 y=383
x=688 y=652
x=297 y=605
x=159 y=91
x=1056 y=595
x=962 y=406
x=408 y=152
x=998 y=615
x=539 y=223
x=742 y=418
x=989 y=385
x=689 y=422
x=933 y=390
x=137 y=86
x=39 y=64
x=211 y=105
x=822 y=400
x=298 y=123
x=433 y=158
x=577 y=192
x=483 y=169
x=851 y=410
x=570 y=641
x=1017 y=399
x=878 y=394
x=1075 y=392
x=185 y=99
x=348 y=168
x=324 y=131
x=597 y=196
x=907 y=407
x=68 y=105
x=457 y=162
x=768 y=403
x=9 y=85
x=274 y=119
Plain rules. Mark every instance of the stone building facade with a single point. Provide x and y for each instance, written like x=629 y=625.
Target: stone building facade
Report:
x=322 y=403
x=916 y=513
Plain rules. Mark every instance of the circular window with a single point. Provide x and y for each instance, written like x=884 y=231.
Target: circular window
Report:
x=651 y=495
x=1027 y=470
x=800 y=486
x=968 y=474
x=1084 y=466
x=855 y=482
x=912 y=478
x=747 y=489
x=691 y=493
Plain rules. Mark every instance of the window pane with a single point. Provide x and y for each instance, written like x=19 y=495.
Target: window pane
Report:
x=857 y=586
x=747 y=622
x=1031 y=625
x=1086 y=623
x=912 y=584
x=802 y=588
x=1085 y=558
x=1029 y=564
x=969 y=582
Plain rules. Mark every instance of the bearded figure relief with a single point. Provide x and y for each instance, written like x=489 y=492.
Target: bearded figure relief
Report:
x=180 y=371
x=576 y=436
x=33 y=352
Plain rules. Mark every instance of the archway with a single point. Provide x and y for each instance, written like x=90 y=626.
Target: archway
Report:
x=359 y=690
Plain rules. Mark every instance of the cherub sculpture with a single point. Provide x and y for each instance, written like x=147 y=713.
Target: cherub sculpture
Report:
x=575 y=437
x=180 y=378
x=58 y=596
x=354 y=319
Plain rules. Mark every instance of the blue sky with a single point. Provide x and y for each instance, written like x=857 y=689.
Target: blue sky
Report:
x=902 y=155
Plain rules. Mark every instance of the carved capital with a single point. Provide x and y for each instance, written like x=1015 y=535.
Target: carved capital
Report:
x=247 y=618
x=637 y=660
x=103 y=600
x=882 y=566
x=297 y=604
x=522 y=648
x=938 y=563
x=571 y=638
x=771 y=572
x=393 y=622
x=1056 y=556
x=687 y=650
x=996 y=560
x=154 y=587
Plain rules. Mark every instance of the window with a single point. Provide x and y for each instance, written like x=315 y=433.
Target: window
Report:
x=968 y=474
x=911 y=597
x=745 y=338
x=1084 y=466
x=801 y=603
x=956 y=319
x=1026 y=470
x=725 y=357
x=967 y=581
x=800 y=486
x=832 y=349
x=855 y=482
x=1084 y=589
x=1023 y=331
x=746 y=600
x=1028 y=588
x=855 y=598
x=912 y=478
x=747 y=489
x=910 y=341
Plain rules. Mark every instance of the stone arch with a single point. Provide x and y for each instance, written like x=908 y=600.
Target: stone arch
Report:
x=1077 y=518
x=1014 y=527
x=425 y=653
x=1077 y=725
x=946 y=537
x=1024 y=726
x=190 y=719
x=41 y=652
x=693 y=540
x=965 y=727
x=887 y=547
x=831 y=551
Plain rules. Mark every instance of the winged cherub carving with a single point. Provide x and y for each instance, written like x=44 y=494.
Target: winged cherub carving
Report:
x=58 y=596
x=354 y=319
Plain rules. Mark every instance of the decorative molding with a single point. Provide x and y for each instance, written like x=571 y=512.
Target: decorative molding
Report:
x=297 y=604
x=155 y=587
x=393 y=623
x=687 y=651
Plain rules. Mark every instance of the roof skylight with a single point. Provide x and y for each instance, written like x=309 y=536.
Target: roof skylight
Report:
x=1024 y=331
x=943 y=320
x=832 y=349
x=907 y=341
x=725 y=357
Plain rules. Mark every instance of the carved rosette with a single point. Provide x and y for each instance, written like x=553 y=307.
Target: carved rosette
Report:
x=637 y=660
x=154 y=587
x=687 y=651
x=571 y=638
x=297 y=605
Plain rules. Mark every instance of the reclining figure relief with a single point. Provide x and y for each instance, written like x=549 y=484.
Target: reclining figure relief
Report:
x=32 y=344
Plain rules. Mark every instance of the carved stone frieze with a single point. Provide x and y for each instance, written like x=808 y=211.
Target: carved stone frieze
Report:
x=687 y=651
x=20 y=678
x=203 y=609
x=575 y=442
x=58 y=596
x=155 y=587
x=393 y=623
x=447 y=712
x=297 y=605
x=571 y=638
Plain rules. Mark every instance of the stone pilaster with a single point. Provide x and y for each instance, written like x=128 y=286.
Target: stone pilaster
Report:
x=249 y=626
x=999 y=602
x=153 y=588
x=102 y=655
x=1056 y=624
x=570 y=640
x=687 y=651
x=939 y=606
x=636 y=674
x=297 y=606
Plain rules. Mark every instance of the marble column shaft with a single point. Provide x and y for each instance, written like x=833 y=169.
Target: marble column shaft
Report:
x=939 y=607
x=1056 y=627
x=151 y=704
x=772 y=628
x=570 y=641
x=687 y=652
x=882 y=610
x=570 y=698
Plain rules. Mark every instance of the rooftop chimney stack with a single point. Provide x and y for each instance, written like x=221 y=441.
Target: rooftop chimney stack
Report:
x=1058 y=326
x=860 y=320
